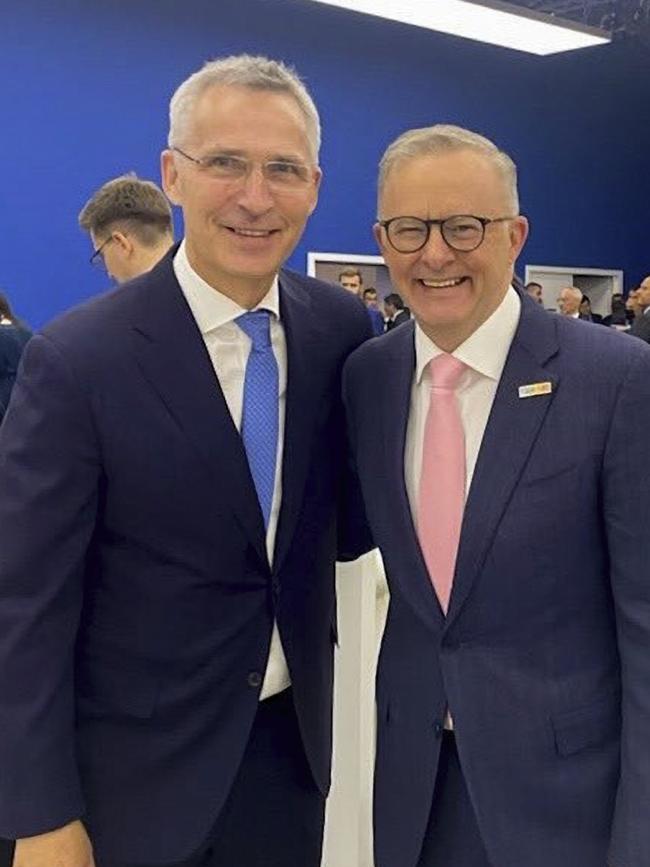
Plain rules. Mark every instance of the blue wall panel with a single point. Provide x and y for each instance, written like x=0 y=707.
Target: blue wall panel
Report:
x=87 y=84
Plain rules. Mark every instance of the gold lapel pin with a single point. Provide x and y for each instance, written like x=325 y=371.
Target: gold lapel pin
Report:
x=535 y=389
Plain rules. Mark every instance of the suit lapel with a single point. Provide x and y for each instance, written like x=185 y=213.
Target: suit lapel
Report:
x=172 y=356
x=396 y=381
x=510 y=434
x=304 y=337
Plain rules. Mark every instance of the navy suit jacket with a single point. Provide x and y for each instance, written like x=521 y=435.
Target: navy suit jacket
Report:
x=136 y=600
x=544 y=656
x=641 y=327
x=12 y=342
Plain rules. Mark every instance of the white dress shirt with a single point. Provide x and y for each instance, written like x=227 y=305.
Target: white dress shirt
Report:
x=484 y=352
x=229 y=347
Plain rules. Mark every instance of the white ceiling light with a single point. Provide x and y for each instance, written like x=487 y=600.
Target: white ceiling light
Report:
x=494 y=22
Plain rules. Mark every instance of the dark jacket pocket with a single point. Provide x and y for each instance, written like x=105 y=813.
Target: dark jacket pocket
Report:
x=585 y=727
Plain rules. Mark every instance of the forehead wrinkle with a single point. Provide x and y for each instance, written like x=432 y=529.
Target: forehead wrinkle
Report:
x=282 y=116
x=443 y=185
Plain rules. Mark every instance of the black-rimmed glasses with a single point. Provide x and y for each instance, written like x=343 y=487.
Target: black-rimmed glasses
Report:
x=461 y=232
x=97 y=258
x=281 y=175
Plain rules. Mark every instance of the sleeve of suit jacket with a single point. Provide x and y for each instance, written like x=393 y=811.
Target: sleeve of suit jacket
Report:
x=626 y=507
x=49 y=479
x=354 y=536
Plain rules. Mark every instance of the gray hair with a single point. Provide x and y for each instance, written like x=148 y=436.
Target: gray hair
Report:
x=573 y=292
x=445 y=138
x=243 y=70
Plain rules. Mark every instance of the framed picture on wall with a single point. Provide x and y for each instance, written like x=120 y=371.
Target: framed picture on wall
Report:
x=328 y=267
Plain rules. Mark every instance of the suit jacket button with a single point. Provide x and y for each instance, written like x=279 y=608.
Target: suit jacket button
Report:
x=438 y=728
x=254 y=679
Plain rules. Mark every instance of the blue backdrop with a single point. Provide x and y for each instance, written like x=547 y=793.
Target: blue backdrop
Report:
x=87 y=84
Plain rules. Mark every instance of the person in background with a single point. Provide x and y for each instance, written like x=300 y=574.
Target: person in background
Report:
x=395 y=311
x=535 y=291
x=568 y=301
x=513 y=687
x=372 y=306
x=129 y=221
x=586 y=313
x=641 y=325
x=351 y=279
x=13 y=338
x=174 y=492
x=618 y=317
x=633 y=308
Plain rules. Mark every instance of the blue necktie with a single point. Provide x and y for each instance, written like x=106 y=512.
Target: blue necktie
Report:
x=259 y=427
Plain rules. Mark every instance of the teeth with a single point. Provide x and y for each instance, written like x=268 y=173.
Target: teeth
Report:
x=441 y=284
x=253 y=233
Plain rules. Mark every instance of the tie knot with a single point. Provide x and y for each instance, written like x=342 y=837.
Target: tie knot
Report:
x=257 y=325
x=446 y=371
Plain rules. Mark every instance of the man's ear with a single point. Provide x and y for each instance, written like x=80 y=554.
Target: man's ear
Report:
x=519 y=229
x=169 y=176
x=379 y=237
x=123 y=242
x=316 y=182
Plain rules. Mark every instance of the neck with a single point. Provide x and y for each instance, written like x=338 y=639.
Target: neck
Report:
x=150 y=256
x=245 y=291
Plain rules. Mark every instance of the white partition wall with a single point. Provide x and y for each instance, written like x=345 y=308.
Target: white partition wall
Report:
x=362 y=606
x=598 y=283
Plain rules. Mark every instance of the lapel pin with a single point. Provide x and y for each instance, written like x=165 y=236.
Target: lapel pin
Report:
x=535 y=389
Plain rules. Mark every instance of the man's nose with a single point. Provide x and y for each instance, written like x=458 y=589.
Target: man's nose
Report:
x=255 y=194
x=436 y=252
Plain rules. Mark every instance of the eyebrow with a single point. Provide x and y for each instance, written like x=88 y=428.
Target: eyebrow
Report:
x=239 y=152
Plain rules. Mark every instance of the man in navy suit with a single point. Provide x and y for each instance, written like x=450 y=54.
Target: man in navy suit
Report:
x=513 y=688
x=172 y=500
x=641 y=325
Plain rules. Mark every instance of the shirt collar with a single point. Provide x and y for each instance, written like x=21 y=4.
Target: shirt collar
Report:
x=210 y=307
x=486 y=350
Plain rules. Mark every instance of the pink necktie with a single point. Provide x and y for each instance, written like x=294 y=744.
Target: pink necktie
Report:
x=442 y=482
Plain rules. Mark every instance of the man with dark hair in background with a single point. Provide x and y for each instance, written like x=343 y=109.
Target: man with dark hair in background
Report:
x=395 y=312
x=587 y=314
x=174 y=491
x=618 y=317
x=351 y=279
x=372 y=306
x=129 y=221
x=535 y=291
x=513 y=687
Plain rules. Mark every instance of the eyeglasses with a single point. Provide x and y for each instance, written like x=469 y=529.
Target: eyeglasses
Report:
x=97 y=258
x=280 y=175
x=462 y=232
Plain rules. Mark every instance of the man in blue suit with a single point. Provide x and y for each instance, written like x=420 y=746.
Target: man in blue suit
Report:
x=172 y=500
x=513 y=688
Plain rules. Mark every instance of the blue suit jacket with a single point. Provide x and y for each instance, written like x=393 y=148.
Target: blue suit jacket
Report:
x=544 y=657
x=136 y=600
